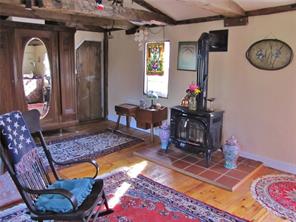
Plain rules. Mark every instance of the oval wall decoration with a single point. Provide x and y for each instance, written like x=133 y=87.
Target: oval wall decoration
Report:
x=269 y=54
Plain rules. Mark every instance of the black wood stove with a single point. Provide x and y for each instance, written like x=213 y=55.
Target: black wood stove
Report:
x=196 y=131
x=200 y=130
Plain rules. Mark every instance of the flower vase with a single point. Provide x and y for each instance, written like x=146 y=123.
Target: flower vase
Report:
x=192 y=103
x=231 y=154
x=164 y=135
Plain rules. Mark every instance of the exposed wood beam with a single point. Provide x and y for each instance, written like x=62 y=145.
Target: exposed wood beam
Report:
x=227 y=8
x=88 y=8
x=200 y=20
x=56 y=16
x=79 y=26
x=146 y=5
x=21 y=25
x=3 y=17
x=239 y=21
x=271 y=10
x=264 y=11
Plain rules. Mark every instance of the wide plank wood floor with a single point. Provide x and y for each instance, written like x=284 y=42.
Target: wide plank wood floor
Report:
x=239 y=202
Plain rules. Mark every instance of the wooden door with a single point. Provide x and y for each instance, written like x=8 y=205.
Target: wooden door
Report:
x=89 y=81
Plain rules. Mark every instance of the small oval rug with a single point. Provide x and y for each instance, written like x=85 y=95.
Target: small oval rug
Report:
x=277 y=193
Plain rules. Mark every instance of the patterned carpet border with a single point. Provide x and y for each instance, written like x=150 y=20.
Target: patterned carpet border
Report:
x=100 y=153
x=148 y=189
x=259 y=190
x=92 y=134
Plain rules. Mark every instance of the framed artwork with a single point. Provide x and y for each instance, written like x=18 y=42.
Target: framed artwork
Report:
x=187 y=56
x=154 y=58
x=270 y=54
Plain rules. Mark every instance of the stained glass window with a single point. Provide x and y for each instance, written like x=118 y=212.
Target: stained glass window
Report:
x=157 y=62
x=154 y=58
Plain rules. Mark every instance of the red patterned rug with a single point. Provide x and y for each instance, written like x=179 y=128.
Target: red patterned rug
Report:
x=140 y=199
x=278 y=194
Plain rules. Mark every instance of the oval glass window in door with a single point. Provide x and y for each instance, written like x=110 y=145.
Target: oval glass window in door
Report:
x=37 y=76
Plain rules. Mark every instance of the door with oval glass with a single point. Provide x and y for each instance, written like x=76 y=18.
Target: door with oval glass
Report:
x=37 y=76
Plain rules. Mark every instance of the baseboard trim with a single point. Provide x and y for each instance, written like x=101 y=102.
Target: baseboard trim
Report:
x=133 y=124
x=276 y=164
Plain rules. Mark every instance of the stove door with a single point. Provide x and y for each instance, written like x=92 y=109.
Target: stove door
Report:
x=191 y=130
x=197 y=131
x=182 y=124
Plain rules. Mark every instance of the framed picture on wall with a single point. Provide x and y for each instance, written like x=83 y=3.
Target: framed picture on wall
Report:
x=187 y=56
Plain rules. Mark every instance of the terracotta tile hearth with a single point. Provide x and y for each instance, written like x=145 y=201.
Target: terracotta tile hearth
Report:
x=194 y=165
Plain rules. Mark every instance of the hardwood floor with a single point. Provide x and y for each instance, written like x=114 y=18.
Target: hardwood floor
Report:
x=239 y=202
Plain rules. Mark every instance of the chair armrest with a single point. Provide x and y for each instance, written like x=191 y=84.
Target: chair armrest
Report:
x=92 y=162
x=62 y=192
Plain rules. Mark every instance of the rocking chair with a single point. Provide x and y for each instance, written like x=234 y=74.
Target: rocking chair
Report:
x=46 y=195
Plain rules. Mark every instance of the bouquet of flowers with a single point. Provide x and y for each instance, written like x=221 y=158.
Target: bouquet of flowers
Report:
x=193 y=90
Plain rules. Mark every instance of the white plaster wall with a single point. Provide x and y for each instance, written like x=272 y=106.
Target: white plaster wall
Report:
x=81 y=36
x=260 y=106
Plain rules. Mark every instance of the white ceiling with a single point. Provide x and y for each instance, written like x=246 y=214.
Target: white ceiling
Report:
x=188 y=9
x=248 y=5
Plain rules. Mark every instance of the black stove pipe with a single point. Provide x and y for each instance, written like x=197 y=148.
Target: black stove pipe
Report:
x=202 y=70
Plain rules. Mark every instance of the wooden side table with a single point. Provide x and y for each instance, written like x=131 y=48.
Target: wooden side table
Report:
x=150 y=118
x=126 y=110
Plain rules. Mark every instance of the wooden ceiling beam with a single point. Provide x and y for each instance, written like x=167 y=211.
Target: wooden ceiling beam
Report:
x=88 y=8
x=258 y=12
x=200 y=20
x=3 y=17
x=227 y=8
x=148 y=6
x=271 y=10
x=78 y=21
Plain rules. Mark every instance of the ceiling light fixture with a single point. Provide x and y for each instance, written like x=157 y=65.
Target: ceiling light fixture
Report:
x=141 y=36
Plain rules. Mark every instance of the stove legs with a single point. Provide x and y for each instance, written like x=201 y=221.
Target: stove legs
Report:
x=208 y=155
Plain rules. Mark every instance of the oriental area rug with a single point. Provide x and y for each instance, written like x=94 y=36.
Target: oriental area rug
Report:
x=89 y=146
x=140 y=199
x=194 y=165
x=277 y=193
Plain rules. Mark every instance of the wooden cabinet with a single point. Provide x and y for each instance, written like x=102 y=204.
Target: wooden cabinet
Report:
x=67 y=76
x=7 y=82
x=60 y=48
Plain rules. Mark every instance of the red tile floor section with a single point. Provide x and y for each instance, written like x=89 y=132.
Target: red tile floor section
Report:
x=194 y=165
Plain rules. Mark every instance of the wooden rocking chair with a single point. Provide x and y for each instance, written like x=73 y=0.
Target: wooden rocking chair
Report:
x=34 y=181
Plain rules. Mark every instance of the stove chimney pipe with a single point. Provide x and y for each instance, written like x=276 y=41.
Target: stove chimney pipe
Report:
x=202 y=70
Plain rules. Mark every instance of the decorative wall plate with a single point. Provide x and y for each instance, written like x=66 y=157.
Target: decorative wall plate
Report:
x=269 y=54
